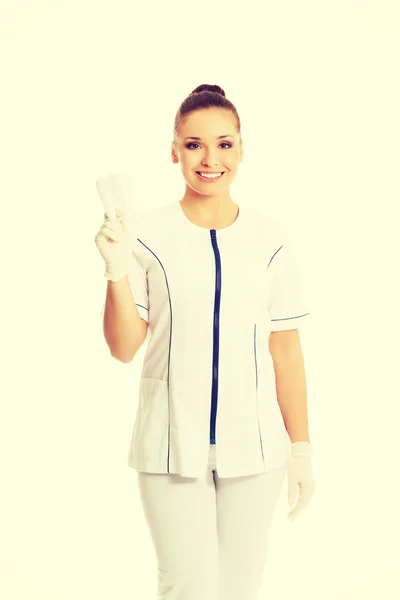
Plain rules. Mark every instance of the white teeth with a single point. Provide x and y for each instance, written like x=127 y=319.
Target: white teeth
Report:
x=213 y=176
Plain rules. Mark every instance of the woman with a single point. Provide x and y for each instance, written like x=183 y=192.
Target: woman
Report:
x=222 y=389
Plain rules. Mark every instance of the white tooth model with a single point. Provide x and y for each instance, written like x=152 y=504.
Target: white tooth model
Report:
x=115 y=192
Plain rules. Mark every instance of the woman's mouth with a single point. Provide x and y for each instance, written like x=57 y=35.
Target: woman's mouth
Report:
x=210 y=178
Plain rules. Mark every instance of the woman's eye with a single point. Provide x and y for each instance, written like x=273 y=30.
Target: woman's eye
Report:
x=194 y=144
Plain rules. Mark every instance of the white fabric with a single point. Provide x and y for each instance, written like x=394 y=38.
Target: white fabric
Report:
x=211 y=535
x=211 y=299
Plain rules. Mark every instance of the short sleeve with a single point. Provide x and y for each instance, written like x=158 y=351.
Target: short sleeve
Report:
x=138 y=284
x=287 y=304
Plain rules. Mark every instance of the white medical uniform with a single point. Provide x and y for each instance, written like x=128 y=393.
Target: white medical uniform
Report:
x=211 y=298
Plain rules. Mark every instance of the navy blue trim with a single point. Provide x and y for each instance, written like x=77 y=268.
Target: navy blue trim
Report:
x=169 y=350
x=217 y=302
x=275 y=253
x=141 y=305
x=287 y=318
x=255 y=360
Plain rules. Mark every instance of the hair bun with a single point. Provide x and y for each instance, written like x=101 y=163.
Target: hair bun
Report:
x=205 y=87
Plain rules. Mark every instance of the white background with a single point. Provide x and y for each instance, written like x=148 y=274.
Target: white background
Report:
x=90 y=88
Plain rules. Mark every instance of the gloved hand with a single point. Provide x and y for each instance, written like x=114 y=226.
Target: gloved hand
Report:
x=115 y=246
x=300 y=473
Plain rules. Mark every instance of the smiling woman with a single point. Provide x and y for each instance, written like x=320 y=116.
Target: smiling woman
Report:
x=222 y=385
x=208 y=146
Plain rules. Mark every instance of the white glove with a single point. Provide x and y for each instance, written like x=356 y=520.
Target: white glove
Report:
x=115 y=246
x=300 y=473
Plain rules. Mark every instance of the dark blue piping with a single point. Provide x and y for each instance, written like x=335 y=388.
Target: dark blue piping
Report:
x=255 y=360
x=169 y=350
x=142 y=306
x=274 y=255
x=286 y=318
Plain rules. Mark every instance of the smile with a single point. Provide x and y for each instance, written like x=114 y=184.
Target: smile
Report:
x=211 y=177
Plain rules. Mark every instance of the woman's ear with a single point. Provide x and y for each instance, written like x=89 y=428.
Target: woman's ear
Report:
x=174 y=155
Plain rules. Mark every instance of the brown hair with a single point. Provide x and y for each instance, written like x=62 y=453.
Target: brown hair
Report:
x=204 y=96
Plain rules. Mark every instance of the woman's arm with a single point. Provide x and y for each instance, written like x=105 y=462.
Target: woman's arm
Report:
x=124 y=329
x=290 y=378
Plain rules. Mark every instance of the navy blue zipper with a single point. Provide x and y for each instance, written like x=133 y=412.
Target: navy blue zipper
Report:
x=217 y=303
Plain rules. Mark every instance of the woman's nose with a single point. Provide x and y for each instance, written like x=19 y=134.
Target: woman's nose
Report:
x=209 y=161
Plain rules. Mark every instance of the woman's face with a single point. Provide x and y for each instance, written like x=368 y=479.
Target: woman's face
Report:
x=208 y=153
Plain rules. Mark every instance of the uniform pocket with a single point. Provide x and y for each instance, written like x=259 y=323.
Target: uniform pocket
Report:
x=152 y=419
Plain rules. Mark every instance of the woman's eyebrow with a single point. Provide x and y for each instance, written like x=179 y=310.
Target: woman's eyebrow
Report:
x=218 y=138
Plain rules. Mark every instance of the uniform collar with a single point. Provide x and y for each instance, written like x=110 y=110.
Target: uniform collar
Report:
x=189 y=225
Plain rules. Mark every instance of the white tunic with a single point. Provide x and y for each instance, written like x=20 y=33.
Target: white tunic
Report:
x=211 y=298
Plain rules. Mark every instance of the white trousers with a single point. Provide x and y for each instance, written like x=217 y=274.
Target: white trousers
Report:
x=210 y=534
